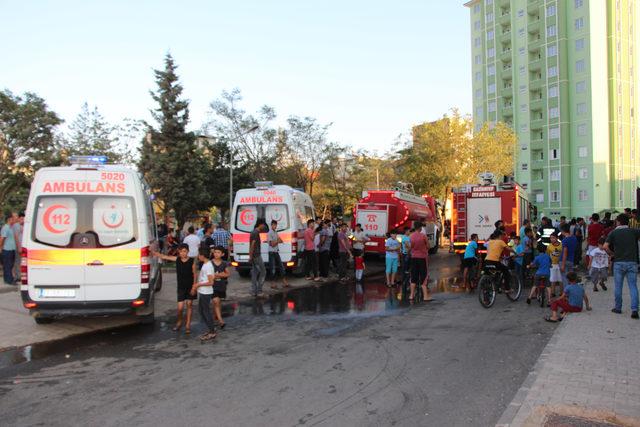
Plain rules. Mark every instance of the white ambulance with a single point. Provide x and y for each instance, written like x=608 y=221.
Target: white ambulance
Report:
x=289 y=206
x=88 y=234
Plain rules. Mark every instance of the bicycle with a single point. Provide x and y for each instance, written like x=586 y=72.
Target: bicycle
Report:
x=474 y=275
x=491 y=280
x=542 y=290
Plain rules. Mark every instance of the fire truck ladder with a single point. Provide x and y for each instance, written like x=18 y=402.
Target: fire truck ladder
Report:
x=461 y=222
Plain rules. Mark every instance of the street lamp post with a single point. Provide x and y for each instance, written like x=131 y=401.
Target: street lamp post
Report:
x=231 y=154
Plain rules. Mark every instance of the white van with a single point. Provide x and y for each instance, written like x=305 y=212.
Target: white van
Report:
x=290 y=207
x=88 y=234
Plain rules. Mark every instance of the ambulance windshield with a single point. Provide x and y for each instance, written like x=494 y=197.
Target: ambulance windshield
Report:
x=248 y=215
x=84 y=221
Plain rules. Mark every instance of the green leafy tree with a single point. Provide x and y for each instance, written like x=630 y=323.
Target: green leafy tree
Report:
x=91 y=134
x=252 y=138
x=27 y=142
x=170 y=158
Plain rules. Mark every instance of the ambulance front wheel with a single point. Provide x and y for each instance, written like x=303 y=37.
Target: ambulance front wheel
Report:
x=43 y=320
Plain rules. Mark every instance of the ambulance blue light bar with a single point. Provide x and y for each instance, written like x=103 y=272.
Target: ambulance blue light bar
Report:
x=263 y=185
x=88 y=160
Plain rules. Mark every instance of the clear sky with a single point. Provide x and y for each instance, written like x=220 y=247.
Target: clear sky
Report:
x=372 y=68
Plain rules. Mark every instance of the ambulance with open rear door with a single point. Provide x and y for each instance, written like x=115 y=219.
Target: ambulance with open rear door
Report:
x=88 y=235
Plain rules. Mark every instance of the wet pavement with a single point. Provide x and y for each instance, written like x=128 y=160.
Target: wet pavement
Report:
x=337 y=354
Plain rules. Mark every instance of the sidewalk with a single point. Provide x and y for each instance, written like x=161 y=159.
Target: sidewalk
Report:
x=19 y=329
x=589 y=372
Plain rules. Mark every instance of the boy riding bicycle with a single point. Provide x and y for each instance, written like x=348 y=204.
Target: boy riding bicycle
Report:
x=543 y=264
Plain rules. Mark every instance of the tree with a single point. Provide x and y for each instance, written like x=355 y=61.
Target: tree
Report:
x=27 y=143
x=170 y=158
x=308 y=148
x=445 y=154
x=256 y=149
x=91 y=134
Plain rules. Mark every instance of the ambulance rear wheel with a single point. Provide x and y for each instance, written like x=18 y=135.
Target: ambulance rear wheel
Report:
x=434 y=249
x=245 y=272
x=43 y=320
x=147 y=319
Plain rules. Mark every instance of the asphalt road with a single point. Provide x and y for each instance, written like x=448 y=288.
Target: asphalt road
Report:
x=335 y=355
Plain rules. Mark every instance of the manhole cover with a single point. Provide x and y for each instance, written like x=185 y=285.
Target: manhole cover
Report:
x=556 y=420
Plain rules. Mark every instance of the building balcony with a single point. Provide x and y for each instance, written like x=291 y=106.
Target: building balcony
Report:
x=535 y=64
x=505 y=37
x=533 y=7
x=506 y=73
x=536 y=83
x=505 y=17
x=535 y=43
x=507 y=111
x=537 y=124
x=537 y=165
x=534 y=24
x=505 y=55
x=536 y=104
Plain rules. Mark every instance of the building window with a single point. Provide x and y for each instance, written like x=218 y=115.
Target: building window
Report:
x=552 y=71
x=579 y=24
x=476 y=8
x=551 y=10
x=521 y=51
x=524 y=127
x=553 y=91
x=522 y=70
x=476 y=25
x=583 y=152
x=477 y=42
x=554 y=133
x=488 y=2
x=620 y=195
x=551 y=31
x=489 y=17
x=479 y=112
x=581 y=86
x=580 y=66
x=523 y=89
x=520 y=13
x=554 y=113
x=478 y=59
x=552 y=50
x=582 y=129
x=491 y=70
x=525 y=167
x=583 y=173
x=478 y=76
x=554 y=196
x=579 y=45
x=491 y=52
x=554 y=175
x=478 y=93
x=523 y=108
x=492 y=106
x=521 y=32
x=582 y=195
x=539 y=197
x=492 y=88
x=490 y=35
x=581 y=108
x=578 y=3
x=553 y=154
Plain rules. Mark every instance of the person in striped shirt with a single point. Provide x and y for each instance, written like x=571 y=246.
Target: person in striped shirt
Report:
x=221 y=238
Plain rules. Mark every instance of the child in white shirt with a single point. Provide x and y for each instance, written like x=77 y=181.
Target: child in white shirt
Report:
x=599 y=266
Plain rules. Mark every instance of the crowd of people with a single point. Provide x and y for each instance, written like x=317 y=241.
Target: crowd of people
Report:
x=557 y=251
x=11 y=244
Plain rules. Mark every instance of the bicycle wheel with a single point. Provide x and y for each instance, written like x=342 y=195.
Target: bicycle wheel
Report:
x=516 y=288
x=542 y=295
x=486 y=291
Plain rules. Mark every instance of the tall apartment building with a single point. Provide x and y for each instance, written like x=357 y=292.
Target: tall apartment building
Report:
x=564 y=75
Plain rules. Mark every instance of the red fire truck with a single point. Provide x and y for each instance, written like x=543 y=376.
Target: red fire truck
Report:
x=380 y=211
x=476 y=208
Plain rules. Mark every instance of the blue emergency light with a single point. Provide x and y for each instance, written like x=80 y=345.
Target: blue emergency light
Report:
x=88 y=160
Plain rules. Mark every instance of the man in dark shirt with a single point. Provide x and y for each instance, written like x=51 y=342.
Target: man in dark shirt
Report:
x=258 y=270
x=622 y=243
